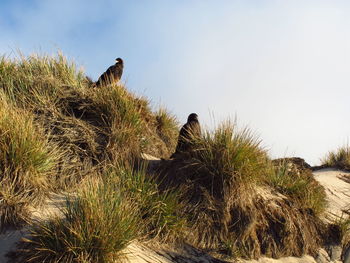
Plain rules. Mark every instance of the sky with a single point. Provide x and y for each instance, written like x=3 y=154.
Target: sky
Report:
x=282 y=68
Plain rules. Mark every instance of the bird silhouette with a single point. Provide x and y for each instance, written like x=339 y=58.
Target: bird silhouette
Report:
x=112 y=74
x=189 y=131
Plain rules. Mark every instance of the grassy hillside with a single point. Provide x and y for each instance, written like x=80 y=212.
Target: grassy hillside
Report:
x=56 y=128
x=59 y=133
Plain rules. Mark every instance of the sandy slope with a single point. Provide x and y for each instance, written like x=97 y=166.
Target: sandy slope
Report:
x=51 y=207
x=338 y=191
x=338 y=194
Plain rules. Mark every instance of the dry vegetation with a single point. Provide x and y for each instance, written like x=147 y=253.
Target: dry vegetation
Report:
x=60 y=133
x=239 y=203
x=57 y=130
x=339 y=159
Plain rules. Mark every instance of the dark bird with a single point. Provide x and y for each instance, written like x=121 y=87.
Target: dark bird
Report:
x=188 y=133
x=112 y=74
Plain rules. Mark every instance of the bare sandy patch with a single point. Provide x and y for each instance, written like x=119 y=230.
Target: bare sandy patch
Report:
x=337 y=190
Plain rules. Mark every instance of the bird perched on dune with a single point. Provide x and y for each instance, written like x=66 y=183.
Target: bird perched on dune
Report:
x=188 y=133
x=112 y=74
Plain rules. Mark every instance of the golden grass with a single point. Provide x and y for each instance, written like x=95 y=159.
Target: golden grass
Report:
x=232 y=202
x=104 y=216
x=26 y=163
x=339 y=159
x=58 y=130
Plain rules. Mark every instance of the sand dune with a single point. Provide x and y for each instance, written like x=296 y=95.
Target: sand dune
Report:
x=335 y=182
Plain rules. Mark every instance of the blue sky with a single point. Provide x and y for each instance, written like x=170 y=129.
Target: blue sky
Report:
x=281 y=67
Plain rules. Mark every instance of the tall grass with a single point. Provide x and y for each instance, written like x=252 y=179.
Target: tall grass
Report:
x=26 y=163
x=106 y=214
x=300 y=186
x=57 y=129
x=339 y=158
x=64 y=100
x=167 y=127
x=38 y=80
x=230 y=153
x=160 y=211
x=97 y=224
x=230 y=205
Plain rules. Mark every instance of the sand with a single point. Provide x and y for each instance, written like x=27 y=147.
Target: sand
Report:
x=51 y=208
x=337 y=189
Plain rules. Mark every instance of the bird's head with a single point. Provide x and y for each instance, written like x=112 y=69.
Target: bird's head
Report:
x=118 y=60
x=192 y=117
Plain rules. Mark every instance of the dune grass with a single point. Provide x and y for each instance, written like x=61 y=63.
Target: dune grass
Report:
x=64 y=101
x=160 y=211
x=107 y=213
x=228 y=184
x=338 y=159
x=299 y=186
x=59 y=132
x=97 y=224
x=167 y=127
x=63 y=119
x=26 y=163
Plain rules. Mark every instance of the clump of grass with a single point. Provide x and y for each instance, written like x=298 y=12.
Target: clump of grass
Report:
x=123 y=119
x=226 y=155
x=338 y=159
x=105 y=216
x=299 y=185
x=97 y=224
x=231 y=206
x=167 y=128
x=133 y=128
x=26 y=162
x=160 y=211
x=38 y=80
x=14 y=205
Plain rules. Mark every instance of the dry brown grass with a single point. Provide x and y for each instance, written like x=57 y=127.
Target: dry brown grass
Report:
x=231 y=206
x=339 y=159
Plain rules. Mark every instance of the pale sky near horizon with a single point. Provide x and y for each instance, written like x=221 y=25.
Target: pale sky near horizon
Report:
x=281 y=67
